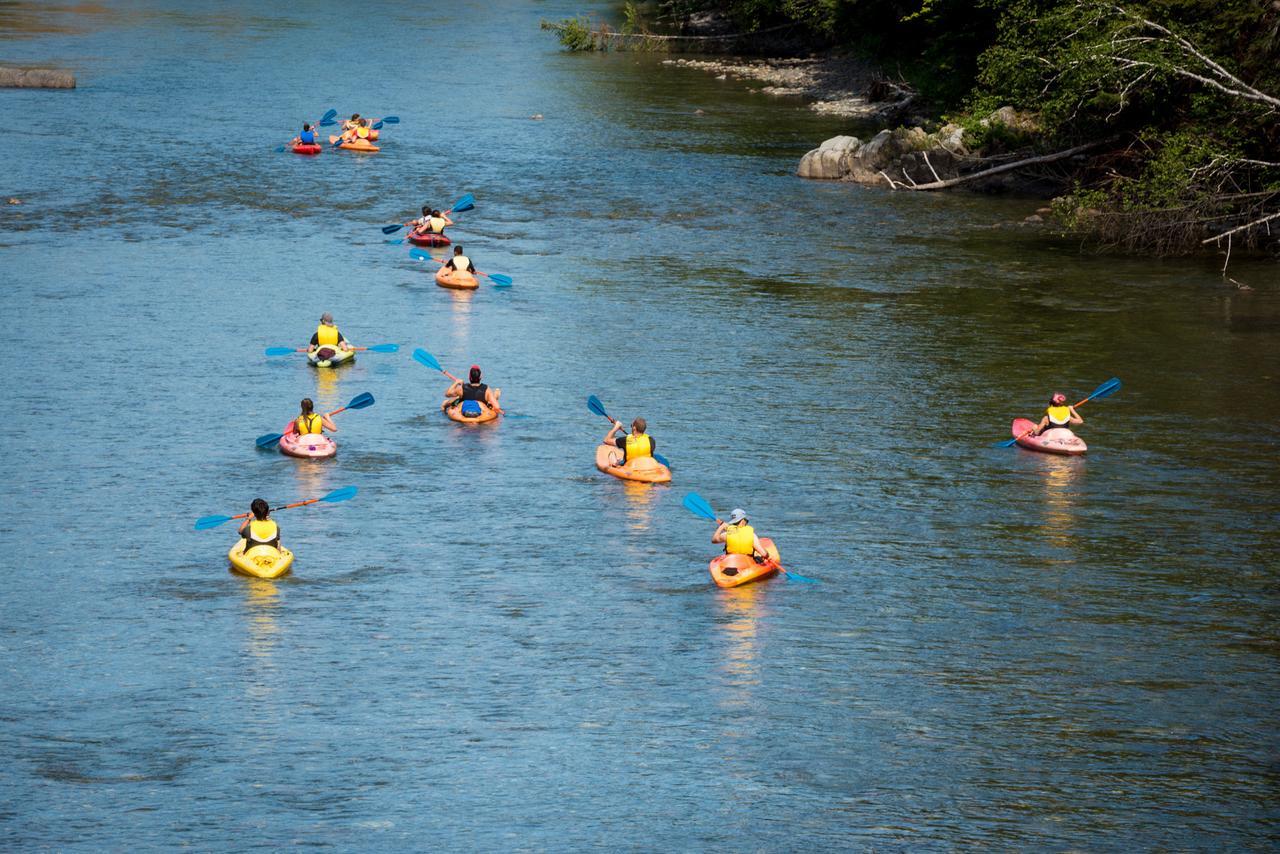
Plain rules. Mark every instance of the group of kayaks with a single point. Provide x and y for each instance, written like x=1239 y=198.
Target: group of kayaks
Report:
x=355 y=136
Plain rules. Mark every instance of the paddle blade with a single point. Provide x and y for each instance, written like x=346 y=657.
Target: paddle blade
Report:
x=361 y=401
x=280 y=351
x=391 y=229
x=342 y=494
x=377 y=126
x=269 y=439
x=1007 y=443
x=396 y=242
x=327 y=123
x=419 y=255
x=204 y=523
x=594 y=404
x=424 y=358
x=384 y=348
x=1107 y=389
x=660 y=458
x=698 y=506
x=466 y=203
x=280 y=150
x=797 y=577
x=501 y=280
x=328 y=116
x=392 y=120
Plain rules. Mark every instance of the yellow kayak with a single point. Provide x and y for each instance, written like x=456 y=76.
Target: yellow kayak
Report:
x=260 y=561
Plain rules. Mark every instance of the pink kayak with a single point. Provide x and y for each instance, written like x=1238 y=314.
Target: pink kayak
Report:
x=1055 y=440
x=310 y=446
x=418 y=238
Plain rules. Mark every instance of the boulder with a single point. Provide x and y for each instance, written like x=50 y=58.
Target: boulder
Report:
x=37 y=78
x=1011 y=118
x=831 y=160
x=951 y=137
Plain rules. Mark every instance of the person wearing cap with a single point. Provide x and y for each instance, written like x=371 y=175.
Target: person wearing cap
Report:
x=1059 y=414
x=460 y=261
x=327 y=335
x=474 y=392
x=639 y=444
x=739 y=537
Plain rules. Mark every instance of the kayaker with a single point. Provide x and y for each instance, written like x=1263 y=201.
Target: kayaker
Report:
x=327 y=335
x=307 y=137
x=639 y=444
x=362 y=131
x=312 y=423
x=431 y=222
x=460 y=261
x=473 y=391
x=739 y=537
x=1059 y=414
x=260 y=530
x=351 y=123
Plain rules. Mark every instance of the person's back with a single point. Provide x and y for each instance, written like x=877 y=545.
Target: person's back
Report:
x=460 y=262
x=260 y=530
x=308 y=136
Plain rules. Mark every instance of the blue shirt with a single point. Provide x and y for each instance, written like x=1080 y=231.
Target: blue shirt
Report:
x=308 y=137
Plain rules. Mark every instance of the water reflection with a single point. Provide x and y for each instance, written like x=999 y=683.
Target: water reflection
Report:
x=1060 y=481
x=741 y=609
x=460 y=311
x=326 y=394
x=261 y=604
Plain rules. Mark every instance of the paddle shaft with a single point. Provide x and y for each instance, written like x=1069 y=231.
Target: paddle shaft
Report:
x=285 y=507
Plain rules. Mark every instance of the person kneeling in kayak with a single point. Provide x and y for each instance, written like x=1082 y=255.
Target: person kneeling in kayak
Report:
x=634 y=447
x=459 y=261
x=327 y=337
x=471 y=394
x=260 y=530
x=1059 y=414
x=312 y=423
x=739 y=537
x=307 y=137
x=431 y=222
x=351 y=123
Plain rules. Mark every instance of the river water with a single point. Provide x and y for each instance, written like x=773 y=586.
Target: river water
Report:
x=496 y=647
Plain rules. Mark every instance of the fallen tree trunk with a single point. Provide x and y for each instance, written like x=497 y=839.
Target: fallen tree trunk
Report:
x=37 y=78
x=996 y=170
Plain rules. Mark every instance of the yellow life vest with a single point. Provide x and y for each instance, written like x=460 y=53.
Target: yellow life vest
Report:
x=740 y=540
x=436 y=224
x=638 y=446
x=326 y=336
x=261 y=532
x=1059 y=415
x=363 y=133
x=307 y=424
x=461 y=263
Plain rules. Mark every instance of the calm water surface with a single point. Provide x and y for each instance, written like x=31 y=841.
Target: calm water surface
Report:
x=496 y=647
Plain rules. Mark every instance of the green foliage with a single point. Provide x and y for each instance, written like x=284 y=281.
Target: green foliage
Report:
x=574 y=33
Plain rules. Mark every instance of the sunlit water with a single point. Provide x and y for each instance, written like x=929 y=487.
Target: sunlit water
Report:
x=494 y=646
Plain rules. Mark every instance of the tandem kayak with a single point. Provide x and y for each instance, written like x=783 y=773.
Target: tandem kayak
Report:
x=308 y=446
x=328 y=357
x=454 y=412
x=644 y=470
x=736 y=570
x=459 y=280
x=304 y=148
x=260 y=561
x=1055 y=440
x=355 y=144
x=428 y=239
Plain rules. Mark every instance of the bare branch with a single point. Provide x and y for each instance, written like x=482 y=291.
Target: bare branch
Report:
x=1238 y=228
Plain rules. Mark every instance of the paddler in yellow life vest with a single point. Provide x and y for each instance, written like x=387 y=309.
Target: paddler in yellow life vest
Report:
x=636 y=446
x=460 y=261
x=351 y=123
x=739 y=537
x=309 y=422
x=260 y=530
x=1059 y=414
x=327 y=336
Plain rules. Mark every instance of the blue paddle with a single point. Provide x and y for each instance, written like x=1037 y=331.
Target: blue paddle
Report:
x=698 y=506
x=594 y=404
x=1107 y=389
x=360 y=401
x=466 y=203
x=204 y=523
x=422 y=357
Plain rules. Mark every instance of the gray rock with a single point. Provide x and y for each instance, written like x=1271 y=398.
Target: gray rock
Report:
x=37 y=78
x=831 y=160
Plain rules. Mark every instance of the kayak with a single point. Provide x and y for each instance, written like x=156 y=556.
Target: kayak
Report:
x=736 y=570
x=314 y=446
x=455 y=413
x=1055 y=440
x=459 y=280
x=328 y=357
x=260 y=561
x=644 y=470
x=304 y=148
x=355 y=144
x=428 y=239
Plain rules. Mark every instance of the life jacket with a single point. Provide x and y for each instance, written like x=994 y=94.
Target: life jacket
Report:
x=638 y=446
x=1059 y=416
x=363 y=133
x=326 y=336
x=262 y=532
x=436 y=225
x=307 y=137
x=740 y=540
x=308 y=424
x=474 y=392
x=461 y=263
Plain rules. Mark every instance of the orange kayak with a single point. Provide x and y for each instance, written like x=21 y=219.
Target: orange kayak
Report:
x=644 y=470
x=455 y=413
x=456 y=279
x=355 y=145
x=736 y=570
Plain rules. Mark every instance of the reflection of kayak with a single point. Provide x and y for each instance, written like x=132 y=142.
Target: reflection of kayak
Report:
x=328 y=357
x=260 y=561
x=355 y=144
x=736 y=570
x=455 y=413
x=1055 y=440
x=645 y=469
x=304 y=148
x=308 y=446
x=428 y=239
x=457 y=279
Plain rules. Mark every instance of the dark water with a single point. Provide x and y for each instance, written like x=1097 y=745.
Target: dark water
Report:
x=496 y=647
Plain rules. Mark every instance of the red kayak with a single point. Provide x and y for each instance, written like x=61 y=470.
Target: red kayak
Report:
x=418 y=238
x=303 y=148
x=1055 y=440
